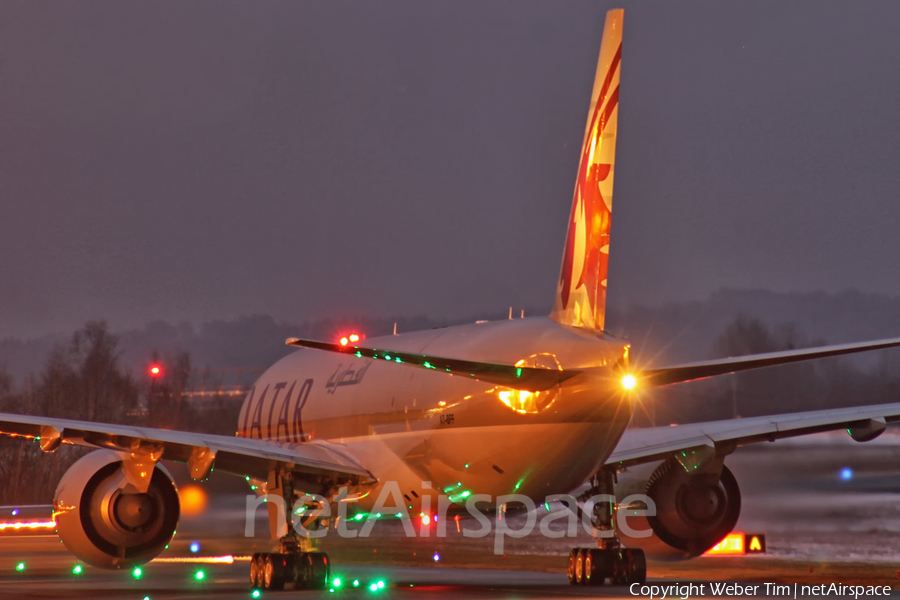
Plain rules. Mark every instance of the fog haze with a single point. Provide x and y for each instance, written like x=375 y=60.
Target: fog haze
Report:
x=164 y=160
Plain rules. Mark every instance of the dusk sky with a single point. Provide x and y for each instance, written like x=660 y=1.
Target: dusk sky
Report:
x=198 y=160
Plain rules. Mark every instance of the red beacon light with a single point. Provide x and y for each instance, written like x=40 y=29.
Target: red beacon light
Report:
x=349 y=339
x=155 y=370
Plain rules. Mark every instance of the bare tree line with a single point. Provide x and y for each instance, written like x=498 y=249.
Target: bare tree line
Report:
x=83 y=380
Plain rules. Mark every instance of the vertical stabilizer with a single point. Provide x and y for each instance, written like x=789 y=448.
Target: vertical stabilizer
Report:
x=581 y=293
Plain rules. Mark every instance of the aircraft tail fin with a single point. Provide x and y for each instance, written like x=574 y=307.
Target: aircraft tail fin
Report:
x=581 y=292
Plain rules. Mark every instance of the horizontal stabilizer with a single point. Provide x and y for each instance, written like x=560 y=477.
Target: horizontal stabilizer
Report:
x=709 y=368
x=521 y=378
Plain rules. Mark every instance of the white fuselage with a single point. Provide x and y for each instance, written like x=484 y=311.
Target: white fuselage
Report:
x=463 y=436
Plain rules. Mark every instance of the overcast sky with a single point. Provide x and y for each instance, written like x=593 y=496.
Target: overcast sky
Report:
x=196 y=160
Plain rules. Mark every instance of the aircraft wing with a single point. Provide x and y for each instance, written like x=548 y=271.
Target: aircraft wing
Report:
x=720 y=366
x=523 y=378
x=236 y=455
x=651 y=444
x=532 y=379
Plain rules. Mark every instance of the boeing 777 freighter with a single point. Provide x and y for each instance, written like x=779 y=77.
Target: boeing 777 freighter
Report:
x=532 y=406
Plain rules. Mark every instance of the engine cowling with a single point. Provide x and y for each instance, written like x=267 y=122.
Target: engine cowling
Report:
x=106 y=521
x=693 y=512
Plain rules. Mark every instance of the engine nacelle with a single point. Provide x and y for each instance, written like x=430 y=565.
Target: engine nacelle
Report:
x=106 y=521
x=693 y=512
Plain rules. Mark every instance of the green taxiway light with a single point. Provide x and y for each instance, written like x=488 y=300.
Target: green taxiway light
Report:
x=20 y=567
x=76 y=570
x=380 y=585
x=466 y=494
x=199 y=575
x=387 y=357
x=359 y=517
x=337 y=582
x=356 y=583
x=467 y=465
x=137 y=572
x=374 y=587
x=518 y=372
x=358 y=354
x=428 y=365
x=255 y=594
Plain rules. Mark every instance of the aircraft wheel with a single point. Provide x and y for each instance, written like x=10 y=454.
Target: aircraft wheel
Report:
x=274 y=571
x=635 y=565
x=570 y=569
x=596 y=566
x=580 y=575
x=255 y=579
x=317 y=570
x=619 y=569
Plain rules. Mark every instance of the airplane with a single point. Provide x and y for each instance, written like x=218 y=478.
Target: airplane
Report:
x=532 y=406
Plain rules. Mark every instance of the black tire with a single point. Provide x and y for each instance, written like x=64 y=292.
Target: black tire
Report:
x=294 y=567
x=255 y=571
x=318 y=570
x=635 y=565
x=570 y=569
x=595 y=566
x=619 y=569
x=579 y=567
x=273 y=571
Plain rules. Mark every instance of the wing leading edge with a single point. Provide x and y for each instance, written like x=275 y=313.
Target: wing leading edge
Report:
x=202 y=452
x=650 y=444
x=721 y=366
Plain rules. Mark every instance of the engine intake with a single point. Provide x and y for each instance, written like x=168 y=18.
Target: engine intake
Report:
x=693 y=512
x=107 y=522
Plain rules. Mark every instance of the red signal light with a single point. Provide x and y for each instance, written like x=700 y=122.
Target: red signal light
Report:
x=155 y=370
x=350 y=338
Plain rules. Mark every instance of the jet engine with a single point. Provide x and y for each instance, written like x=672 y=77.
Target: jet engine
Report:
x=694 y=511
x=106 y=520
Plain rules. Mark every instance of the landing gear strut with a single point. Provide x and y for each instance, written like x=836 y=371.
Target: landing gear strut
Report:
x=593 y=566
x=292 y=565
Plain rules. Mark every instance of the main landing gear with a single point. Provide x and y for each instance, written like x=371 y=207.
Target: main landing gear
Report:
x=304 y=570
x=593 y=566
x=296 y=564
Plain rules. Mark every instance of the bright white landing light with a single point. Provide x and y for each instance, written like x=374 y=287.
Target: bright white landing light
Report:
x=628 y=382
